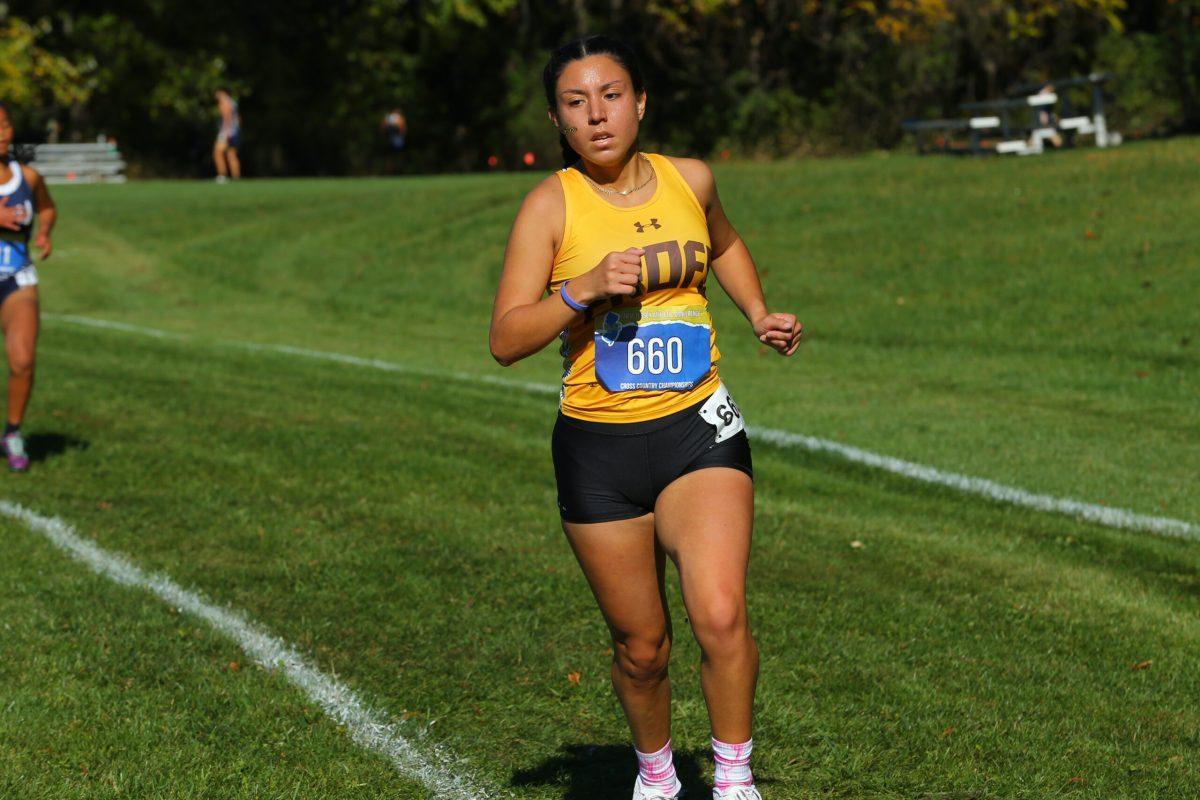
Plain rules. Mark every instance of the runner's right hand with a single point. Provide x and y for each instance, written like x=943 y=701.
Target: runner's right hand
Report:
x=617 y=274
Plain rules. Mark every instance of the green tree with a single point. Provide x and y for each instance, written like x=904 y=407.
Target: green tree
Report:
x=34 y=81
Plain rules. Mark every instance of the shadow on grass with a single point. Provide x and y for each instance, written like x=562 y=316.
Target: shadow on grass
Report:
x=604 y=771
x=42 y=446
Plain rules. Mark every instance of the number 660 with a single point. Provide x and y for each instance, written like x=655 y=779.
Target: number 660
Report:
x=655 y=355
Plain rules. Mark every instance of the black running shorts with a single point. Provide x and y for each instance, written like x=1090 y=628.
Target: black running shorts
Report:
x=612 y=471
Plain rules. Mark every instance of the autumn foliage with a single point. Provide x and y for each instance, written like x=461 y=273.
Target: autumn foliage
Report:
x=751 y=77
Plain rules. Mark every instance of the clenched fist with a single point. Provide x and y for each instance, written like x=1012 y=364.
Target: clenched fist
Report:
x=779 y=331
x=617 y=274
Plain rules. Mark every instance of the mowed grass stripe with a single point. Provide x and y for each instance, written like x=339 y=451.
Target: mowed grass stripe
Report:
x=1029 y=322
x=1091 y=512
x=109 y=693
x=366 y=727
x=404 y=533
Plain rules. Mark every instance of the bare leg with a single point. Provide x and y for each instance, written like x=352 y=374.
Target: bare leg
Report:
x=704 y=521
x=235 y=166
x=219 y=158
x=624 y=567
x=19 y=318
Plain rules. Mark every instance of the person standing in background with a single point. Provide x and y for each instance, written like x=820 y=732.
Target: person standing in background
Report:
x=225 y=150
x=395 y=129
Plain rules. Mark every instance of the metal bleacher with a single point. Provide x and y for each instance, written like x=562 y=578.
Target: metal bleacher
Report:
x=945 y=135
x=92 y=162
x=1075 y=123
x=1051 y=118
x=1017 y=138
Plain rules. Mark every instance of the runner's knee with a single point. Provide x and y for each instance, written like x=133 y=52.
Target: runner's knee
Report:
x=643 y=659
x=20 y=362
x=721 y=624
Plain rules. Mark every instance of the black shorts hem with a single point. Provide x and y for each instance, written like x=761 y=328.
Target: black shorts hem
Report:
x=614 y=517
x=748 y=470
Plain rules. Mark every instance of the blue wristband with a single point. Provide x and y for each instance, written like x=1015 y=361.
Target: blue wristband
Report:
x=570 y=301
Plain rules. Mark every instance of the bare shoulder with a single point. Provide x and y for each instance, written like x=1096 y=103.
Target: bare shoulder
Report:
x=542 y=217
x=32 y=176
x=544 y=211
x=545 y=198
x=698 y=176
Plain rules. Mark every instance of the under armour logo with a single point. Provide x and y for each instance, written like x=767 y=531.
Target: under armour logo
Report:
x=653 y=224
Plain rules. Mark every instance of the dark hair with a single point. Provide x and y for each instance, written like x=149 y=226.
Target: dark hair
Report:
x=11 y=154
x=582 y=48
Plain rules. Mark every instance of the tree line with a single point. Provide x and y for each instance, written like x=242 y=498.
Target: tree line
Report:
x=744 y=77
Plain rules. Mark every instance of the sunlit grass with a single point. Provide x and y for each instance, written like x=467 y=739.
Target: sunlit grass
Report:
x=402 y=529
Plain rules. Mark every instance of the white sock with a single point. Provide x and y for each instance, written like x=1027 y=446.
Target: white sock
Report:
x=732 y=764
x=657 y=770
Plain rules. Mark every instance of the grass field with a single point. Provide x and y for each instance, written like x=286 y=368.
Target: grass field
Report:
x=1028 y=321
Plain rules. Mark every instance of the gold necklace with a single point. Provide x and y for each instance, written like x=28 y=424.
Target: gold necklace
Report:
x=622 y=192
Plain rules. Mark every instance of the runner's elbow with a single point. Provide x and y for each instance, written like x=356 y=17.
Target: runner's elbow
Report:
x=504 y=355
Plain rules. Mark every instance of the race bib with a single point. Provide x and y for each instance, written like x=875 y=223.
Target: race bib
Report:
x=653 y=348
x=723 y=414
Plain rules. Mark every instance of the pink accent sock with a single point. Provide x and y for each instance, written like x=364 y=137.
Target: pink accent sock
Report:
x=657 y=770
x=732 y=764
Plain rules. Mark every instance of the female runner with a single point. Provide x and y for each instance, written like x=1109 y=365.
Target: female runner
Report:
x=650 y=454
x=229 y=137
x=23 y=195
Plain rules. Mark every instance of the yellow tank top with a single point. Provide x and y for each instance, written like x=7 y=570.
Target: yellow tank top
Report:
x=640 y=357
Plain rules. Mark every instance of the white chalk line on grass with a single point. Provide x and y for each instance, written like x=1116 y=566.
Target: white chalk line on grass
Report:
x=367 y=728
x=1107 y=516
x=1102 y=515
x=320 y=355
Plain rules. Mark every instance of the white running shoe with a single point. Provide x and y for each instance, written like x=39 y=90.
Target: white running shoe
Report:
x=14 y=450
x=640 y=792
x=737 y=793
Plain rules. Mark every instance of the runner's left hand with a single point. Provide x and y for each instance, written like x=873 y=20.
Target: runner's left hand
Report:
x=779 y=331
x=42 y=240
